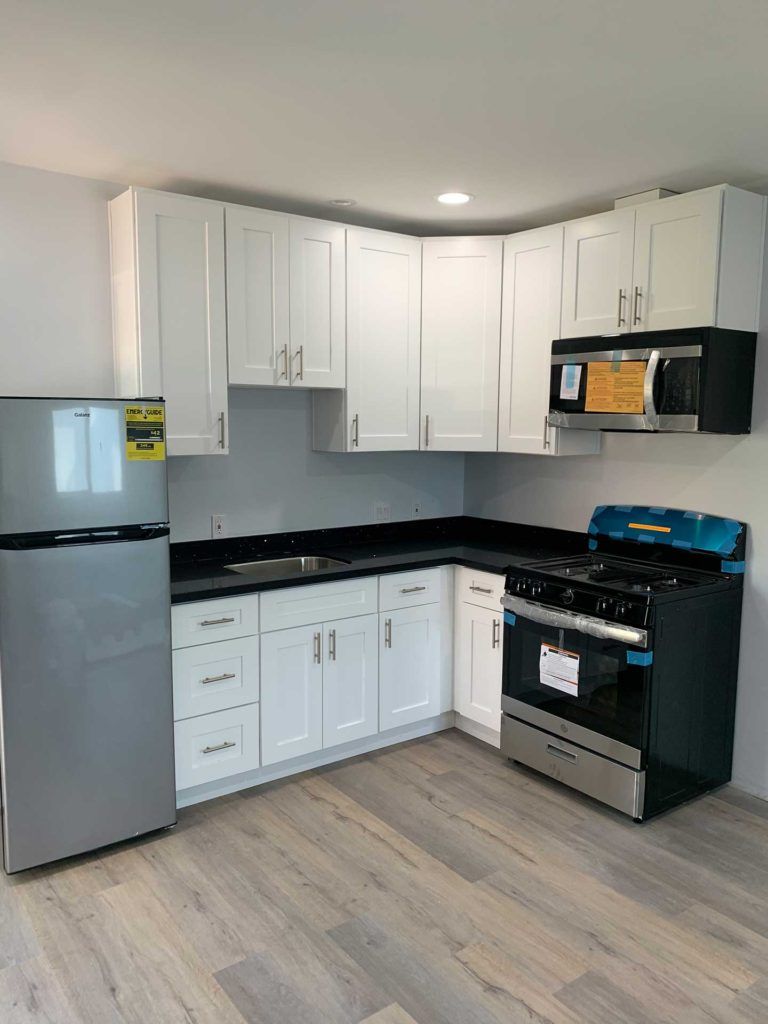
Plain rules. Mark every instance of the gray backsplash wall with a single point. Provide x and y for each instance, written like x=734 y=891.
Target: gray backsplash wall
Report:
x=272 y=481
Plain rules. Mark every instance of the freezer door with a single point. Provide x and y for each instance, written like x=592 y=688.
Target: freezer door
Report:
x=64 y=466
x=86 y=740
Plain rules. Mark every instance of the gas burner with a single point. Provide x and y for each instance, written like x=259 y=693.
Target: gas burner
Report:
x=616 y=574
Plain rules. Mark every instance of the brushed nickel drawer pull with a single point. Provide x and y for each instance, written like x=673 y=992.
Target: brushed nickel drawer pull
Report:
x=426 y=431
x=356 y=430
x=411 y=590
x=318 y=649
x=221 y=746
x=222 y=434
x=496 y=636
x=388 y=632
x=565 y=755
x=481 y=590
x=218 y=679
x=332 y=645
x=217 y=622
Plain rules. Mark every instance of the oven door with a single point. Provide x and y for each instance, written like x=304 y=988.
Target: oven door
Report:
x=628 y=389
x=581 y=678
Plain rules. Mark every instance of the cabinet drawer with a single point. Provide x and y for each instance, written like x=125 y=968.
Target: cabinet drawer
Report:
x=302 y=606
x=482 y=588
x=215 y=746
x=406 y=589
x=213 y=677
x=223 y=618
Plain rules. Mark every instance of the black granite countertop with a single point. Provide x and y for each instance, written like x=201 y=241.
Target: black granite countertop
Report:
x=198 y=567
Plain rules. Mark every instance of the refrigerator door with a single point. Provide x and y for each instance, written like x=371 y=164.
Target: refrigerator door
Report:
x=86 y=740
x=68 y=463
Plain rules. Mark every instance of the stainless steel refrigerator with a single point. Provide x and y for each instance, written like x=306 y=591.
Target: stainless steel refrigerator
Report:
x=86 y=713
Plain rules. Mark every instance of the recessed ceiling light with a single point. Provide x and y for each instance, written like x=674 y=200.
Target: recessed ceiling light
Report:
x=454 y=198
x=343 y=202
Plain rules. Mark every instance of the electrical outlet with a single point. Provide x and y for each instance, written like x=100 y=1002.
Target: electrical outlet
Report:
x=218 y=526
x=382 y=512
x=418 y=510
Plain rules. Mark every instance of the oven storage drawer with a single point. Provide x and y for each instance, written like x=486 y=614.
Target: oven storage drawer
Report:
x=607 y=781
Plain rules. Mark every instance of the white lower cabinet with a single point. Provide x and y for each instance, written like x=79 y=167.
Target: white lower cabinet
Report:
x=409 y=665
x=213 y=677
x=215 y=746
x=291 y=693
x=478 y=656
x=350 y=679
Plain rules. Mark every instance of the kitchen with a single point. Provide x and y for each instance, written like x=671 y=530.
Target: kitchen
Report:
x=451 y=805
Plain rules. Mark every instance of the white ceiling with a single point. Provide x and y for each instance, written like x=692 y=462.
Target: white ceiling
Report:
x=541 y=108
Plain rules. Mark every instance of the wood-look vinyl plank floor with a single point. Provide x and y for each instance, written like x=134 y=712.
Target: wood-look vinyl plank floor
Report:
x=430 y=883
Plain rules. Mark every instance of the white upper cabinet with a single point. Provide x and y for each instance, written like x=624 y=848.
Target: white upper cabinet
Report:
x=257 y=296
x=530 y=319
x=597 y=274
x=169 y=313
x=461 y=313
x=317 y=292
x=380 y=409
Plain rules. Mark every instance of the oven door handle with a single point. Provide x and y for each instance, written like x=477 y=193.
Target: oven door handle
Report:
x=600 y=628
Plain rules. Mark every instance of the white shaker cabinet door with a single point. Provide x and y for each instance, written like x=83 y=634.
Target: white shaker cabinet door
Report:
x=257 y=296
x=409 y=665
x=291 y=693
x=597 y=274
x=383 y=333
x=169 y=312
x=350 y=679
x=318 y=289
x=478 y=663
x=676 y=260
x=461 y=314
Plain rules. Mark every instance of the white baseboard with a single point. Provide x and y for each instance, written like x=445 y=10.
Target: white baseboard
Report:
x=481 y=732
x=196 y=794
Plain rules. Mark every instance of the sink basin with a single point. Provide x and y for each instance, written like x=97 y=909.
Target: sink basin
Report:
x=270 y=567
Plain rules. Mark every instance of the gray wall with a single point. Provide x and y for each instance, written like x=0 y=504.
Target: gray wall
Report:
x=272 y=481
x=722 y=475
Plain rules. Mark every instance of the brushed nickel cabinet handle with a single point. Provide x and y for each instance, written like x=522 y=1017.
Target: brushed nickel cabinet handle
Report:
x=388 y=632
x=218 y=679
x=620 y=318
x=545 y=438
x=411 y=590
x=221 y=746
x=332 y=645
x=300 y=356
x=356 y=430
x=496 y=636
x=480 y=590
x=318 y=648
x=284 y=356
x=426 y=431
x=636 y=318
x=217 y=622
x=222 y=433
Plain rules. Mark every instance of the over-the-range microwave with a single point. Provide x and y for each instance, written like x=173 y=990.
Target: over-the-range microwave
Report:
x=697 y=379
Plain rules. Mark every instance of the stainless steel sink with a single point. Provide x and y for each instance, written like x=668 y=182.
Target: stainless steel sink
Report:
x=271 y=567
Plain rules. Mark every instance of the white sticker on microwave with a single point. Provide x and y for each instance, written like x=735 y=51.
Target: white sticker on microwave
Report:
x=559 y=669
x=570 y=379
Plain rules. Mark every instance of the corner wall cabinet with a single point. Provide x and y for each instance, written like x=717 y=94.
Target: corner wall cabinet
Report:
x=168 y=310
x=692 y=260
x=460 y=321
x=379 y=409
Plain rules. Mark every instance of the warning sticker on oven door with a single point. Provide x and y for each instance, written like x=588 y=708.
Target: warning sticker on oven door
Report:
x=145 y=433
x=559 y=669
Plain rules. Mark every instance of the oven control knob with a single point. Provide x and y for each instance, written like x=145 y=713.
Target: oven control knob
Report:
x=537 y=588
x=620 y=610
x=603 y=605
x=522 y=586
x=567 y=596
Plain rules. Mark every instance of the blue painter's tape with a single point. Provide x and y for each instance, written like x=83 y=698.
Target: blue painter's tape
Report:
x=735 y=567
x=639 y=657
x=510 y=618
x=592 y=544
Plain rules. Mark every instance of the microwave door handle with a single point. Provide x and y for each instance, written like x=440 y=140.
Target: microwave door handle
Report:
x=649 y=383
x=600 y=628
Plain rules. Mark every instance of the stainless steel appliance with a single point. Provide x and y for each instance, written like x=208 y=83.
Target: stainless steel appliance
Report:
x=86 y=729
x=683 y=380
x=620 y=664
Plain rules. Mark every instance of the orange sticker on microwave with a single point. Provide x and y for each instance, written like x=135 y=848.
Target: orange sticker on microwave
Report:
x=615 y=387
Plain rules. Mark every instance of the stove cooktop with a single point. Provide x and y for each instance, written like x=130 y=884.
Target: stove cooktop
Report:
x=617 y=575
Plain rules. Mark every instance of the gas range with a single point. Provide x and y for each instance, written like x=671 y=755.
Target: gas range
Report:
x=619 y=589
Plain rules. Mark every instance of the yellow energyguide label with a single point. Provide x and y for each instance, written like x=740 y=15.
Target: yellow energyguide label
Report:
x=145 y=433
x=650 y=526
x=615 y=387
